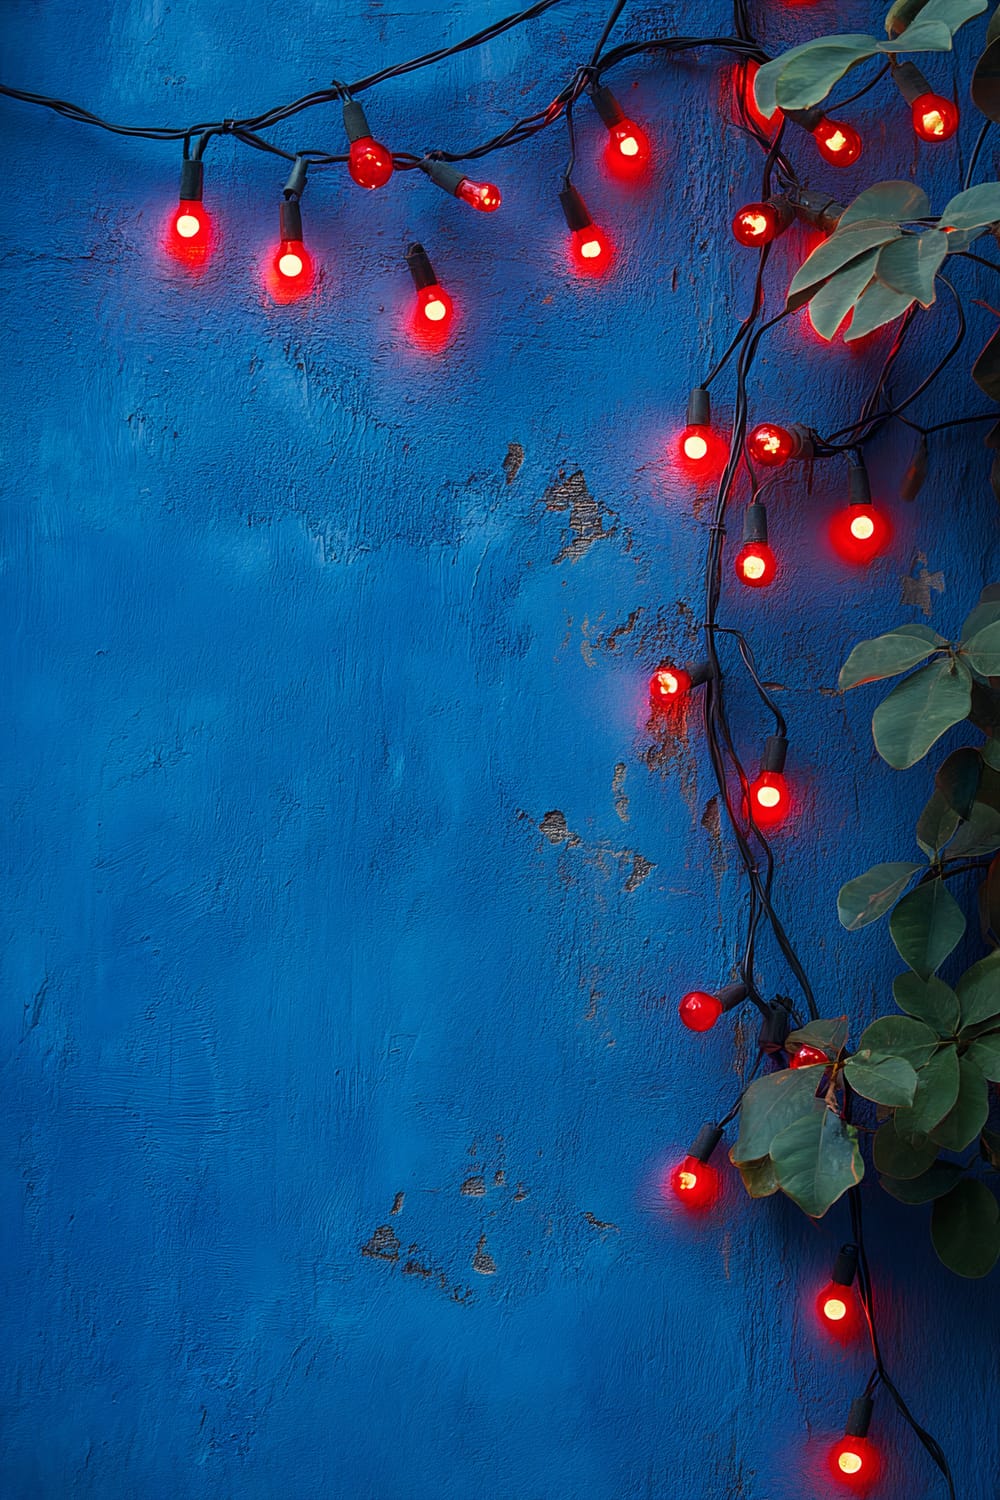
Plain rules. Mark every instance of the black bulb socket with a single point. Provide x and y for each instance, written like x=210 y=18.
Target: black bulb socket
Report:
x=845 y=1267
x=574 y=209
x=607 y=106
x=290 y=218
x=443 y=174
x=705 y=1141
x=355 y=122
x=909 y=80
x=192 y=180
x=775 y=753
x=819 y=209
x=699 y=412
x=731 y=995
x=807 y=119
x=859 y=491
x=755 y=523
x=860 y=1417
x=420 y=267
x=296 y=184
x=773 y=1029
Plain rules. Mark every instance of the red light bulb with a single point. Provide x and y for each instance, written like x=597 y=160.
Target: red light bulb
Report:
x=433 y=311
x=837 y=1310
x=769 y=799
x=694 y=1183
x=860 y=533
x=434 y=306
x=482 y=195
x=807 y=1057
x=771 y=445
x=699 y=1011
x=756 y=565
x=766 y=123
x=190 y=233
x=700 y=450
x=628 y=152
x=293 y=271
x=591 y=251
x=934 y=117
x=838 y=144
x=854 y=1462
x=757 y=224
x=667 y=684
x=369 y=163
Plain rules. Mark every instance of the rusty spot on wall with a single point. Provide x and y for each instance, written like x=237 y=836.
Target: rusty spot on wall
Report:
x=916 y=586
x=641 y=868
x=604 y=1225
x=474 y=1187
x=618 y=791
x=383 y=1244
x=397 y=1203
x=482 y=1261
x=554 y=827
x=513 y=461
x=586 y=515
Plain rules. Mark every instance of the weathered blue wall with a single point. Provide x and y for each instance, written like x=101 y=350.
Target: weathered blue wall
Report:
x=339 y=1071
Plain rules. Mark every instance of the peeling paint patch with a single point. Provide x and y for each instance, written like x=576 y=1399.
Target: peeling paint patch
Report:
x=474 y=1187
x=604 y=1225
x=916 y=586
x=482 y=1261
x=499 y=1178
x=555 y=829
x=383 y=1245
x=586 y=515
x=397 y=1203
x=513 y=461
x=618 y=791
x=711 y=822
x=641 y=868
x=521 y=1193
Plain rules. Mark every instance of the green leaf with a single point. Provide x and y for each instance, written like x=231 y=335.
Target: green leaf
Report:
x=865 y=898
x=974 y=208
x=758 y=1177
x=965 y=1229
x=816 y=1159
x=769 y=1104
x=991 y=753
x=934 y=1183
x=900 y=1036
x=766 y=80
x=883 y=1080
x=986 y=612
x=953 y=13
x=910 y=264
x=902 y=1156
x=919 y=710
x=936 y=824
x=876 y=306
x=928 y=1000
x=829 y=1035
x=958 y=779
x=982 y=651
x=986 y=370
x=891 y=202
x=993 y=29
x=924 y=35
x=985 y=1053
x=937 y=1090
x=925 y=927
x=809 y=76
x=901 y=14
x=968 y=1114
x=840 y=249
x=830 y=305
x=887 y=655
x=979 y=991
x=985 y=87
x=980 y=835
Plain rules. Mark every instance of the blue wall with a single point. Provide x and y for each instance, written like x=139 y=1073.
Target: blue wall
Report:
x=339 y=1072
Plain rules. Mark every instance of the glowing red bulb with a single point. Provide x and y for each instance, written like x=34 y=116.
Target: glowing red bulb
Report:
x=699 y=1011
x=934 y=117
x=694 y=1183
x=771 y=445
x=482 y=195
x=189 y=236
x=860 y=533
x=591 y=251
x=756 y=565
x=757 y=224
x=769 y=799
x=807 y=1057
x=838 y=144
x=292 y=272
x=435 y=307
x=628 y=151
x=837 y=1310
x=369 y=163
x=667 y=685
x=854 y=1462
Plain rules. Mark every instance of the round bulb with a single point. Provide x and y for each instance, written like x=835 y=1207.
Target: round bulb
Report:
x=859 y=533
x=756 y=565
x=934 y=117
x=769 y=799
x=807 y=1057
x=699 y=1011
x=189 y=234
x=590 y=251
x=853 y=1461
x=667 y=685
x=481 y=195
x=694 y=1183
x=838 y=144
x=292 y=272
x=756 y=224
x=369 y=163
x=433 y=316
x=628 y=153
x=770 y=445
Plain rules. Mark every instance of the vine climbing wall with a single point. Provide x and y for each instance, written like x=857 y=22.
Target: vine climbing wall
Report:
x=350 y=890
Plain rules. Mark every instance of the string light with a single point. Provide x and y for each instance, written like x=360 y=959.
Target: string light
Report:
x=836 y=1304
x=773 y=446
x=291 y=272
x=859 y=532
x=189 y=233
x=700 y=1010
x=755 y=563
x=770 y=802
x=757 y=224
x=628 y=153
x=591 y=251
x=935 y=118
x=369 y=163
x=669 y=684
x=433 y=313
x=694 y=1182
x=854 y=1461
x=839 y=144
x=484 y=196
x=700 y=450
